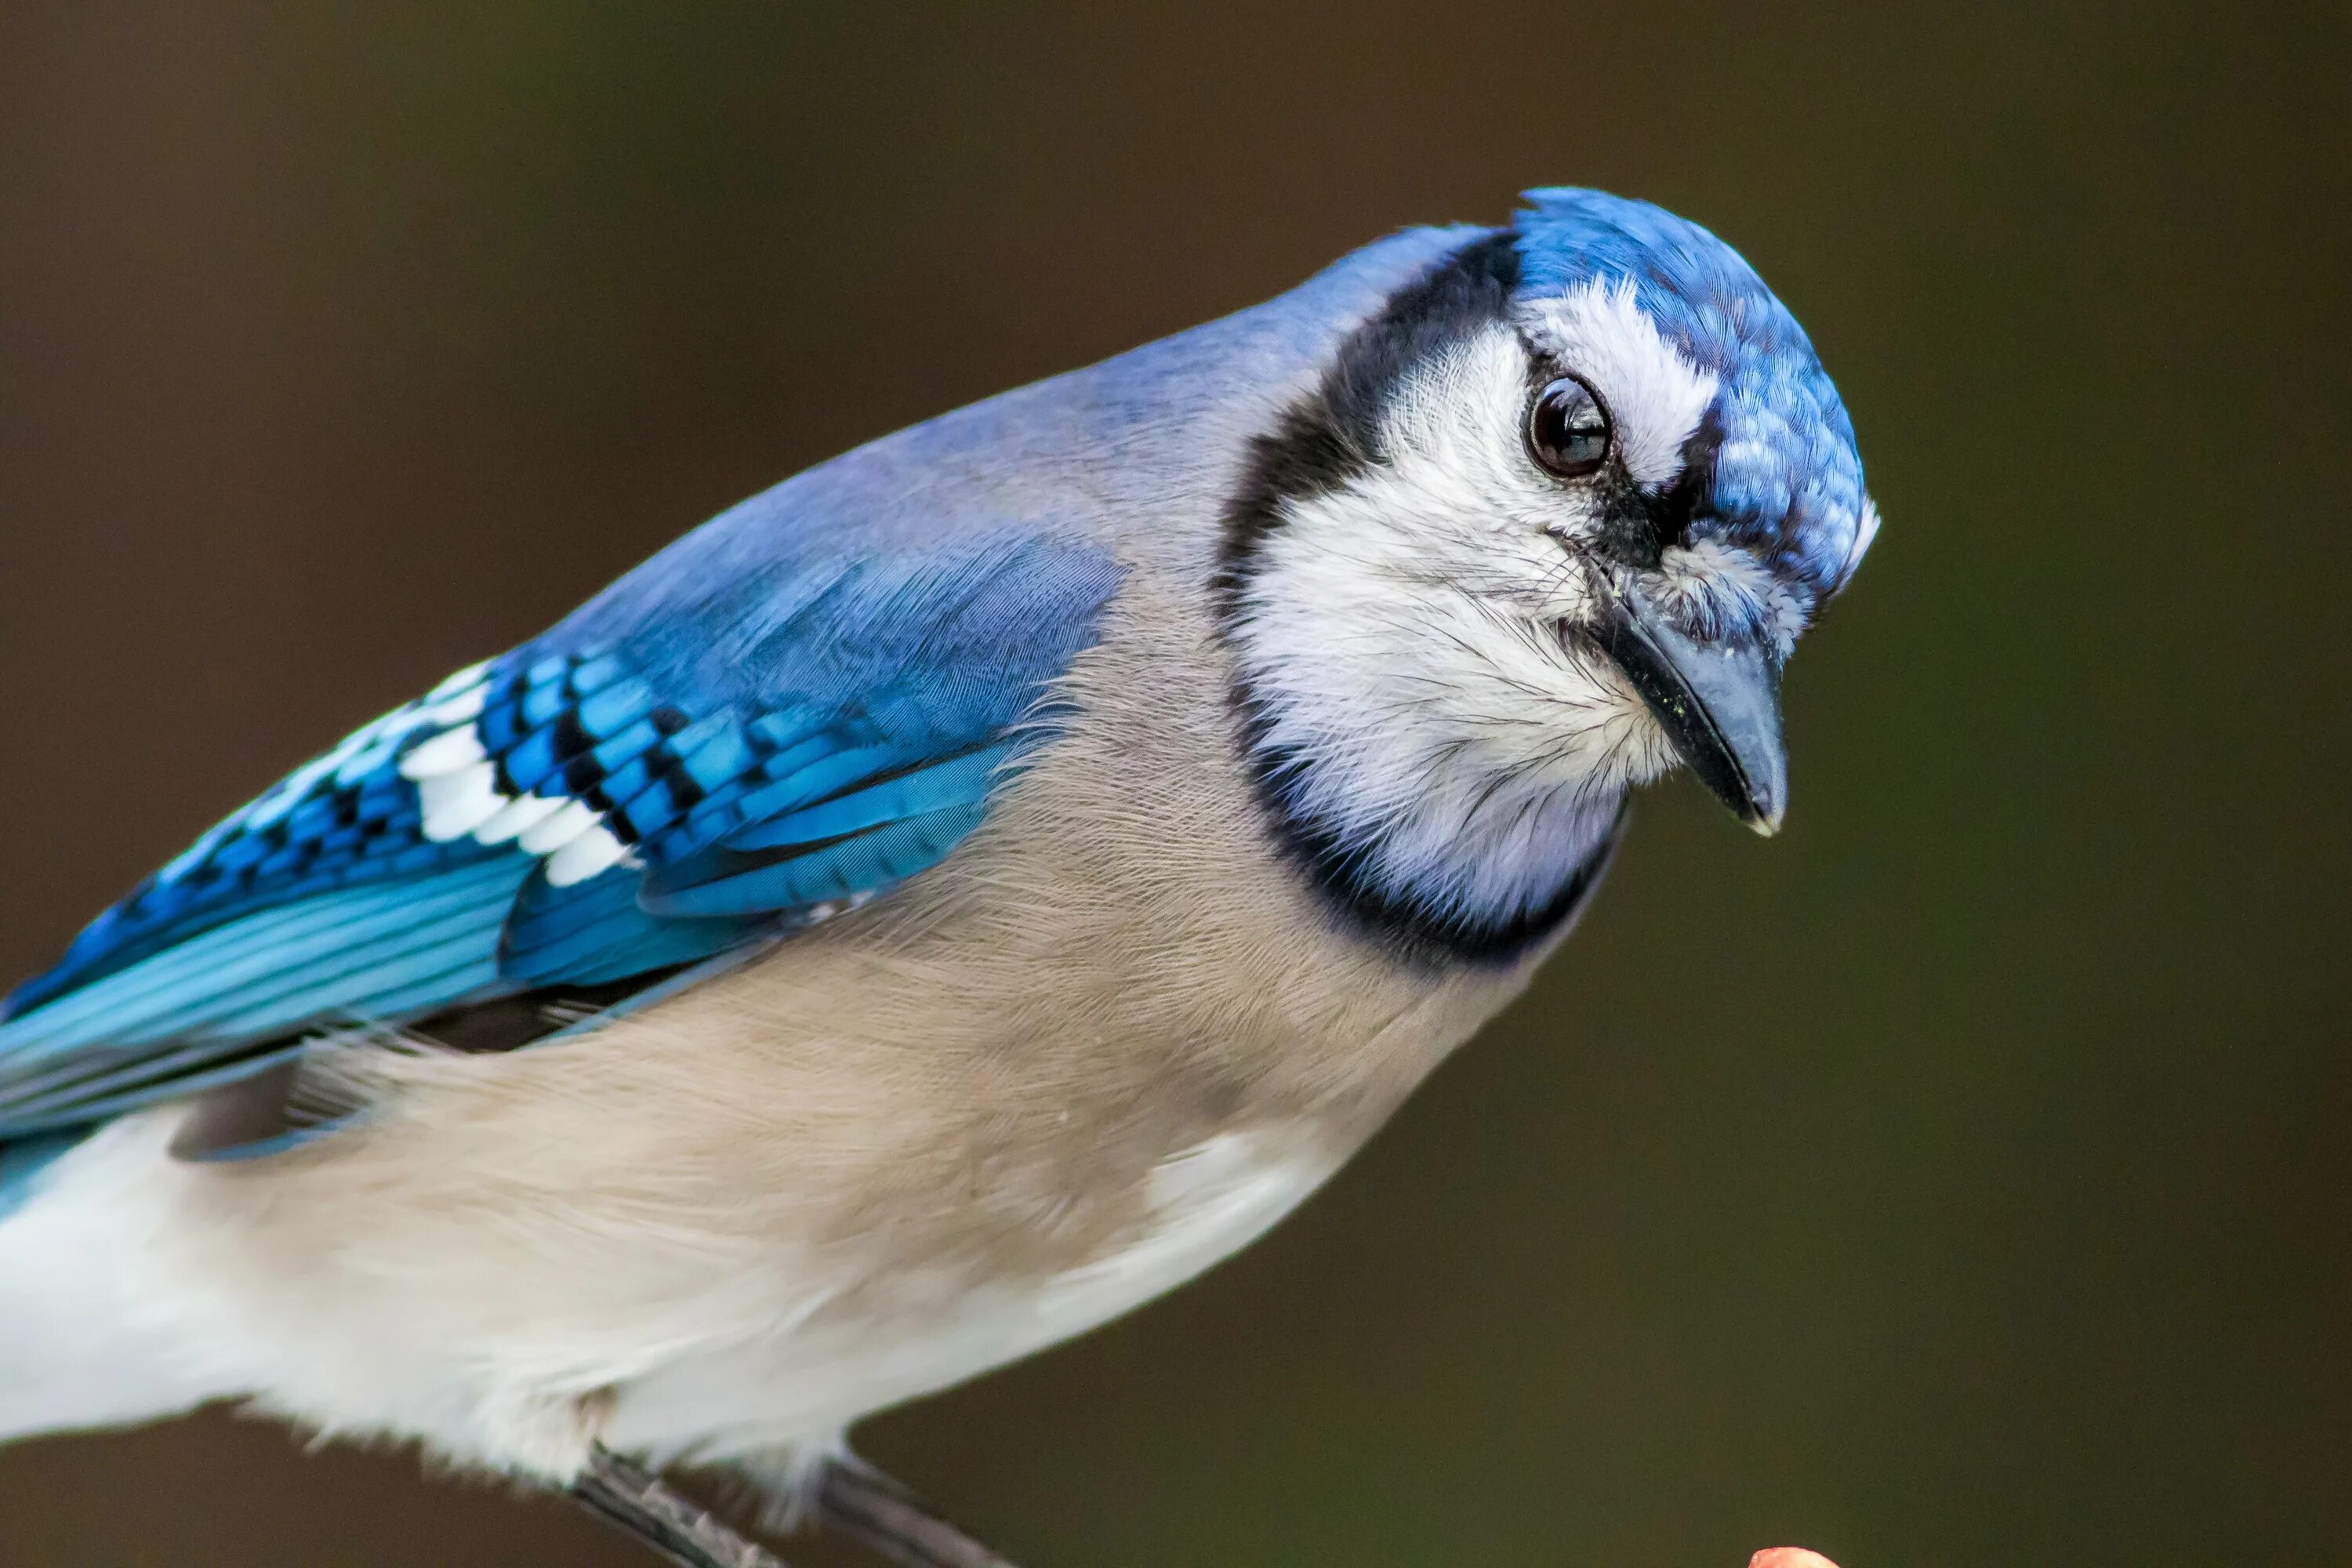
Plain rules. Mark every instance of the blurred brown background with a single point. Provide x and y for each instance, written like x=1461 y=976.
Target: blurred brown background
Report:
x=1963 y=1178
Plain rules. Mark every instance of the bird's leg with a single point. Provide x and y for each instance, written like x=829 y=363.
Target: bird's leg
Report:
x=636 y=1501
x=888 y=1519
x=850 y=1497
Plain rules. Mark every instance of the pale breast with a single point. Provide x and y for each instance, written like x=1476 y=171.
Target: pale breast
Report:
x=924 y=1331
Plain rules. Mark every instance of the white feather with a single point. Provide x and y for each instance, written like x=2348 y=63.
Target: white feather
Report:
x=591 y=853
x=461 y=682
x=1866 y=530
x=462 y=709
x=518 y=816
x=1655 y=396
x=446 y=752
x=1403 y=631
x=454 y=804
x=560 y=828
x=93 y=1331
x=121 y=1309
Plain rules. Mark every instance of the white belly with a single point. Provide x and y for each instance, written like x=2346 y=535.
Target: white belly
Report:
x=115 y=1324
x=801 y=1381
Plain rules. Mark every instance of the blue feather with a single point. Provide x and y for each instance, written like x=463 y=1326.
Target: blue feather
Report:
x=597 y=931
x=1787 y=480
x=728 y=883
x=770 y=718
x=959 y=781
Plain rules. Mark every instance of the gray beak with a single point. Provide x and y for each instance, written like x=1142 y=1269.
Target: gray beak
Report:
x=1720 y=705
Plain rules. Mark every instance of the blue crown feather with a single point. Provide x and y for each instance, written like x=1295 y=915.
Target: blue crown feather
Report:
x=1786 y=479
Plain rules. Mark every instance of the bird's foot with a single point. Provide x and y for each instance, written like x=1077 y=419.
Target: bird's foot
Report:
x=638 y=1502
x=860 y=1503
x=850 y=1497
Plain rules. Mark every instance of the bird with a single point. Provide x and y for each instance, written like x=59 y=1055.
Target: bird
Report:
x=943 y=902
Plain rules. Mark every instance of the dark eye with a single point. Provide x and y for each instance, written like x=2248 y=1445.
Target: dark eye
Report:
x=1567 y=430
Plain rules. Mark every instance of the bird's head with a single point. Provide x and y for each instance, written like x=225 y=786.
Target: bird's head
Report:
x=1550 y=524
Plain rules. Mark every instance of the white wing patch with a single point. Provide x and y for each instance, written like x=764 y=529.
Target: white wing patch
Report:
x=458 y=789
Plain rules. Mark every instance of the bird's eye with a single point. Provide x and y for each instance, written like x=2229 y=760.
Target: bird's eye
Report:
x=1568 y=429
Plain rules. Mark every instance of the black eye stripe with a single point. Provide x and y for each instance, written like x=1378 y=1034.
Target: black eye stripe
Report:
x=1569 y=432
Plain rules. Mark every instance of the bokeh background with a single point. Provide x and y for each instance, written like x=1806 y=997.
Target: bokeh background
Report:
x=1963 y=1178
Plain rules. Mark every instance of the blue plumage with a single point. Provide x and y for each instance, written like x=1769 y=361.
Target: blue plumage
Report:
x=1785 y=478
x=695 y=759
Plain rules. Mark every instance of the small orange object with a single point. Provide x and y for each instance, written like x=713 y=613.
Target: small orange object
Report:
x=1789 y=1557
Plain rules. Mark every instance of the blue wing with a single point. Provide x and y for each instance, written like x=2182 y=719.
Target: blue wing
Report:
x=752 y=730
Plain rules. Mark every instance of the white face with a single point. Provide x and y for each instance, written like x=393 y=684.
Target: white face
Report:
x=1406 y=628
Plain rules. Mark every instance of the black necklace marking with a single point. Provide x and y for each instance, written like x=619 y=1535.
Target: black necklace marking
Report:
x=1332 y=436
x=1320 y=443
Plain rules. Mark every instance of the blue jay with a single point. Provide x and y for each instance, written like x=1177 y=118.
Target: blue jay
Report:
x=946 y=900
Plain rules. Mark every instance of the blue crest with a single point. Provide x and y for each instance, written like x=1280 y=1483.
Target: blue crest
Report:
x=1785 y=480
